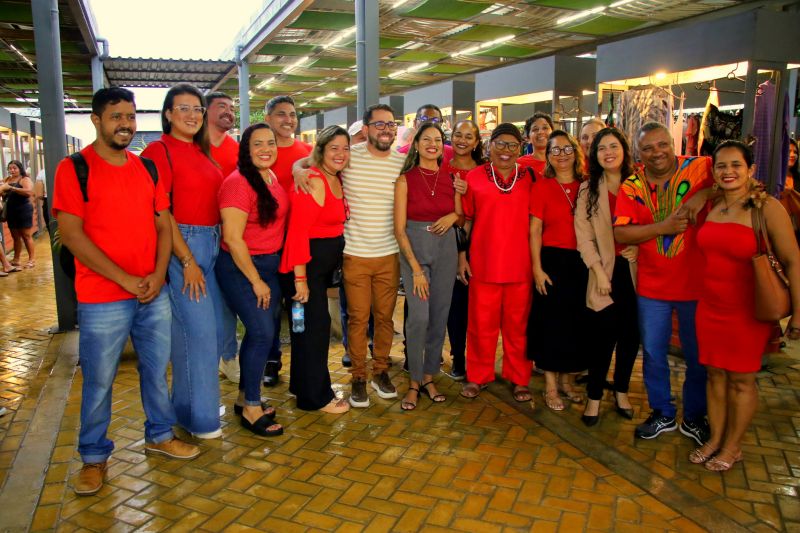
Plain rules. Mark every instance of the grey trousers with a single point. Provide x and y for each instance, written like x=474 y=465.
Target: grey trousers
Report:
x=427 y=319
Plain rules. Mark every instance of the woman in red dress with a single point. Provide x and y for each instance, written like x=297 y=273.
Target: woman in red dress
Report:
x=497 y=202
x=730 y=340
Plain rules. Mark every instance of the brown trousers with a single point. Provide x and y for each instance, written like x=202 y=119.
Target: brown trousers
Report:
x=370 y=283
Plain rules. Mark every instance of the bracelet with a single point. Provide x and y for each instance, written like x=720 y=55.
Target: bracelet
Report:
x=186 y=261
x=418 y=274
x=300 y=281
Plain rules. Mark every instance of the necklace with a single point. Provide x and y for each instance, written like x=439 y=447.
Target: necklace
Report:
x=425 y=177
x=513 y=182
x=727 y=207
x=566 y=191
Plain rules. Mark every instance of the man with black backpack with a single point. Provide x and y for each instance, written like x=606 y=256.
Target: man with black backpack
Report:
x=113 y=216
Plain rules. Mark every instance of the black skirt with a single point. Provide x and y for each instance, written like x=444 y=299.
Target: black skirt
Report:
x=557 y=338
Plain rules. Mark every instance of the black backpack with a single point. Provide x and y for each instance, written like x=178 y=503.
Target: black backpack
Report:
x=65 y=257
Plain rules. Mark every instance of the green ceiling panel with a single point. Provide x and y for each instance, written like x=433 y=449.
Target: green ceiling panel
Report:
x=333 y=62
x=301 y=78
x=6 y=56
x=260 y=68
x=10 y=74
x=506 y=50
x=336 y=85
x=604 y=25
x=417 y=56
x=391 y=42
x=15 y=13
x=572 y=4
x=323 y=20
x=483 y=33
x=444 y=68
x=277 y=49
x=447 y=10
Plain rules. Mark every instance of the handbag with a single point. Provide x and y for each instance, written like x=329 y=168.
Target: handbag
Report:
x=772 y=299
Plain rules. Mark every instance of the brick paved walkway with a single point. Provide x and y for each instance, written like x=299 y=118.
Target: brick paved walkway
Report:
x=489 y=464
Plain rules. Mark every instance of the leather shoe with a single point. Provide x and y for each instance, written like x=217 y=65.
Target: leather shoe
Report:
x=90 y=479
x=621 y=411
x=589 y=420
x=271 y=376
x=346 y=362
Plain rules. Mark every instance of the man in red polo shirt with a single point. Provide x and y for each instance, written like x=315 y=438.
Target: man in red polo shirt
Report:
x=221 y=119
x=122 y=242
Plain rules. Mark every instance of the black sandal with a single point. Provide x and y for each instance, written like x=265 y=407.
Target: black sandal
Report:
x=262 y=425
x=268 y=411
x=435 y=398
x=793 y=333
x=404 y=404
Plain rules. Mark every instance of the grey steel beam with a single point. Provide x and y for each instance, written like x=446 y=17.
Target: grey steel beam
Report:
x=244 y=90
x=368 y=75
x=51 y=103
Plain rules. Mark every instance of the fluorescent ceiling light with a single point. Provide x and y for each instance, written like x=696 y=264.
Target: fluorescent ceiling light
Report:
x=299 y=63
x=497 y=41
x=264 y=83
x=581 y=14
x=414 y=68
x=620 y=3
x=341 y=37
x=351 y=88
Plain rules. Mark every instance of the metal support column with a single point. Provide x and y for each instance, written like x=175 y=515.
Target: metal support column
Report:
x=98 y=76
x=368 y=75
x=51 y=103
x=244 y=90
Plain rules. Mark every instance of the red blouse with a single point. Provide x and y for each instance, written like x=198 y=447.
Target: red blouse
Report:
x=554 y=204
x=309 y=220
x=430 y=194
x=536 y=164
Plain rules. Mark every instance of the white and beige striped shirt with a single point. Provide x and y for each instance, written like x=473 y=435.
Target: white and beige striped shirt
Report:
x=369 y=189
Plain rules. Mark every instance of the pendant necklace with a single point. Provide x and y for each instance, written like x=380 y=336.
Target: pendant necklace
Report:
x=727 y=207
x=513 y=182
x=566 y=191
x=425 y=179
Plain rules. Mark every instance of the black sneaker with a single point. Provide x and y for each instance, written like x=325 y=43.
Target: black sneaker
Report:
x=346 y=362
x=383 y=386
x=358 y=393
x=655 y=425
x=696 y=430
x=271 y=374
x=457 y=374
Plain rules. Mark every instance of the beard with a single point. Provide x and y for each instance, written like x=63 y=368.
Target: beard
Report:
x=380 y=145
x=112 y=143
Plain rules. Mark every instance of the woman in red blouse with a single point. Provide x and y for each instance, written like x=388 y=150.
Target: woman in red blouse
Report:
x=424 y=215
x=313 y=252
x=253 y=206
x=537 y=130
x=497 y=202
x=559 y=310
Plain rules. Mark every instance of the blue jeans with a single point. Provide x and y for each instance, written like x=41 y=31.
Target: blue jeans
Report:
x=655 y=324
x=196 y=344
x=259 y=324
x=229 y=346
x=104 y=329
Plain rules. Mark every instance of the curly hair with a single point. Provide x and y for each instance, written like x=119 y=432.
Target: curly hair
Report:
x=577 y=166
x=596 y=170
x=267 y=204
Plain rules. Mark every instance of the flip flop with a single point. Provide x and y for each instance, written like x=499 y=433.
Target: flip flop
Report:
x=14 y=268
x=521 y=393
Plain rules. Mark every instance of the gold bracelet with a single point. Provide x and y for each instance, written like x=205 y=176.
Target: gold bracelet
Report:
x=187 y=260
x=418 y=274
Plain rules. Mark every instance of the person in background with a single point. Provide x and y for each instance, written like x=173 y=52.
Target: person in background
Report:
x=356 y=133
x=122 y=241
x=730 y=340
x=588 y=132
x=793 y=168
x=312 y=254
x=426 y=113
x=8 y=268
x=253 y=207
x=497 y=201
x=40 y=187
x=610 y=293
x=537 y=131
x=17 y=188
x=559 y=275
x=424 y=216
x=193 y=180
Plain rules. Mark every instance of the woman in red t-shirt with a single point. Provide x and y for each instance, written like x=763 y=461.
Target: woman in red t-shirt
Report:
x=559 y=310
x=537 y=130
x=253 y=206
x=497 y=202
x=611 y=293
x=313 y=254
x=424 y=214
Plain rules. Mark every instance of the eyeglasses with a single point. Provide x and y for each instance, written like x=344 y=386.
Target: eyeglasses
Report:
x=557 y=150
x=426 y=118
x=187 y=109
x=381 y=125
x=503 y=145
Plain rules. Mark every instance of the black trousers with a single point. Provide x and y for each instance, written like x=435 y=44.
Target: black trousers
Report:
x=457 y=325
x=615 y=326
x=309 y=379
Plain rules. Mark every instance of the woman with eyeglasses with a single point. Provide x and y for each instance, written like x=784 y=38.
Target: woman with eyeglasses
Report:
x=312 y=253
x=424 y=215
x=611 y=291
x=555 y=340
x=192 y=179
x=537 y=130
x=497 y=202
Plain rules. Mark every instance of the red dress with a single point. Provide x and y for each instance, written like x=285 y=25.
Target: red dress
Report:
x=728 y=335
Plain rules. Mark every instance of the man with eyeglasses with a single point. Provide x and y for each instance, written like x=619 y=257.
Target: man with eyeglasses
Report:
x=429 y=113
x=221 y=119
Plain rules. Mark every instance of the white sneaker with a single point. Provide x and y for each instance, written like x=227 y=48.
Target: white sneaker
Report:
x=210 y=435
x=3 y=411
x=230 y=369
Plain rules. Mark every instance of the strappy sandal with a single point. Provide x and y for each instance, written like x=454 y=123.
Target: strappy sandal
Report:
x=700 y=456
x=435 y=398
x=268 y=411
x=471 y=390
x=569 y=393
x=407 y=405
x=715 y=464
x=30 y=264
x=264 y=426
x=553 y=400
x=793 y=333
x=521 y=393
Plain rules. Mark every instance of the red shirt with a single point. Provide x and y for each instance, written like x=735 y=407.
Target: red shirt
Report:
x=669 y=265
x=287 y=155
x=226 y=155
x=499 y=249
x=554 y=204
x=191 y=178
x=309 y=220
x=237 y=192
x=536 y=164
x=119 y=218
x=430 y=197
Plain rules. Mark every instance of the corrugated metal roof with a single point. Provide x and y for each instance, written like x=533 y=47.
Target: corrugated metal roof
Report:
x=150 y=72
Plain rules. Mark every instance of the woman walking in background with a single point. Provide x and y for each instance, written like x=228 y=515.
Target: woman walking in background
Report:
x=18 y=192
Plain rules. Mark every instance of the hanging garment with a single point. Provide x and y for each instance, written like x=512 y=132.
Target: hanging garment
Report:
x=719 y=126
x=763 y=126
x=676 y=127
x=692 y=134
x=713 y=100
x=642 y=105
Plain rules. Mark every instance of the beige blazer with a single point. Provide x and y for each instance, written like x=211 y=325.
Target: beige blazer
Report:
x=596 y=242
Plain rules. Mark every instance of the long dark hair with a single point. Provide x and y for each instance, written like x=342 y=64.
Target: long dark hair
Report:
x=20 y=166
x=201 y=137
x=596 y=170
x=794 y=170
x=412 y=158
x=477 y=152
x=267 y=204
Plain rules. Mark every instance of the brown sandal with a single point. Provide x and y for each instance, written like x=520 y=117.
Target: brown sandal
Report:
x=521 y=393
x=471 y=390
x=553 y=400
x=715 y=464
x=700 y=456
x=793 y=333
